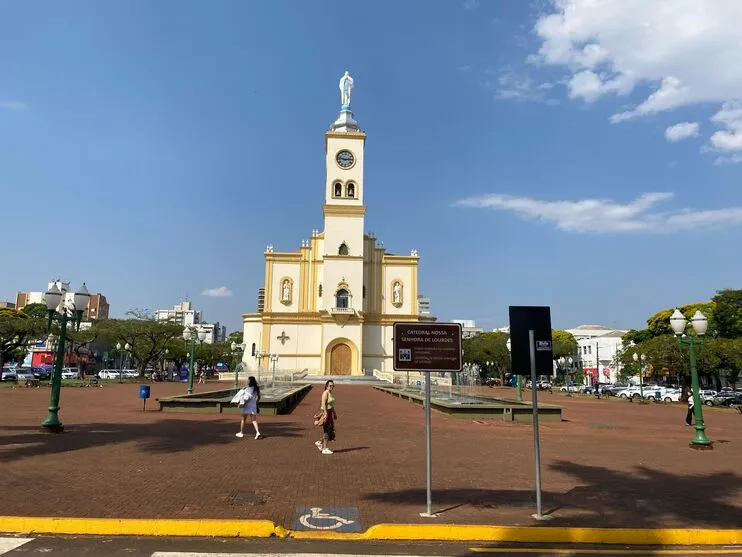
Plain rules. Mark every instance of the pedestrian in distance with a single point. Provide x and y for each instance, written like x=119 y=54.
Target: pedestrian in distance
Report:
x=327 y=408
x=689 y=415
x=249 y=403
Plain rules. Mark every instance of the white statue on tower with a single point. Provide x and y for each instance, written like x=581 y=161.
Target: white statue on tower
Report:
x=346 y=88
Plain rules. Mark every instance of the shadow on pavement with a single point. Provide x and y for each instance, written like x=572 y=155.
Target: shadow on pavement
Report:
x=167 y=436
x=605 y=498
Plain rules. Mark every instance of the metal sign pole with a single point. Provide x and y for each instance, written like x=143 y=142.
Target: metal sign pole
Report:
x=428 y=457
x=536 y=446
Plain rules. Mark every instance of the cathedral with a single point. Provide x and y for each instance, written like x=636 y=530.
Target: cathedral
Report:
x=329 y=308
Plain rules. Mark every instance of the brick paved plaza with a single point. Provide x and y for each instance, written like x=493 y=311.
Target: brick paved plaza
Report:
x=610 y=463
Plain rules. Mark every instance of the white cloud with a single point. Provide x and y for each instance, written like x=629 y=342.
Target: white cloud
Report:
x=514 y=87
x=13 y=105
x=683 y=130
x=471 y=4
x=730 y=116
x=607 y=216
x=686 y=51
x=221 y=292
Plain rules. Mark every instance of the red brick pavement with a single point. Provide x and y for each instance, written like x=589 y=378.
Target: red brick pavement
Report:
x=610 y=463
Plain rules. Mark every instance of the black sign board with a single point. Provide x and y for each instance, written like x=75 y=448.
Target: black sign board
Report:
x=538 y=320
x=427 y=346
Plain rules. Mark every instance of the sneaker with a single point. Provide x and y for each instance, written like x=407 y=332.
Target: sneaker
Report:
x=239 y=434
x=326 y=451
x=319 y=444
x=258 y=436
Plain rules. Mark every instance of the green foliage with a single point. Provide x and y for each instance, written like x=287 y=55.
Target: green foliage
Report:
x=235 y=336
x=17 y=329
x=488 y=347
x=663 y=357
x=659 y=323
x=38 y=311
x=208 y=355
x=728 y=313
x=563 y=343
x=637 y=337
x=147 y=338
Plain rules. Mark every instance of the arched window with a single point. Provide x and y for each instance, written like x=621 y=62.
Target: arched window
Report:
x=343 y=249
x=351 y=190
x=338 y=189
x=341 y=298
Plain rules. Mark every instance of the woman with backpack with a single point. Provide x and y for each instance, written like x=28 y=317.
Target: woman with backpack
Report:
x=249 y=403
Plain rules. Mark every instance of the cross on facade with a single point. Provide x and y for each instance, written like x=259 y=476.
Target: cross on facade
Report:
x=283 y=338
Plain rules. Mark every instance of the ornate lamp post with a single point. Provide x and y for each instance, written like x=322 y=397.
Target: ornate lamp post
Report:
x=237 y=348
x=643 y=358
x=700 y=324
x=69 y=312
x=517 y=377
x=274 y=359
x=196 y=337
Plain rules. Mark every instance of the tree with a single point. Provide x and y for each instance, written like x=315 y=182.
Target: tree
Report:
x=78 y=342
x=725 y=359
x=728 y=313
x=636 y=337
x=488 y=347
x=38 y=311
x=659 y=323
x=146 y=337
x=236 y=337
x=663 y=358
x=17 y=330
x=563 y=343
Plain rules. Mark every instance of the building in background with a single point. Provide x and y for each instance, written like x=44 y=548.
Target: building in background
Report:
x=6 y=305
x=185 y=315
x=469 y=327
x=423 y=305
x=97 y=306
x=261 y=300
x=599 y=349
x=181 y=313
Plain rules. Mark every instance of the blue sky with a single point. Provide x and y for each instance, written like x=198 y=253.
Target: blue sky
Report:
x=153 y=149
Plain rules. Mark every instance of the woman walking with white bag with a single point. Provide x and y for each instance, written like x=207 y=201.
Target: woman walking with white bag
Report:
x=250 y=398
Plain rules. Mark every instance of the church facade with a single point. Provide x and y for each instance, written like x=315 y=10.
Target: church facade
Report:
x=330 y=306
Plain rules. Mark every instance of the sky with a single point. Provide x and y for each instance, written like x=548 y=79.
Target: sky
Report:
x=581 y=154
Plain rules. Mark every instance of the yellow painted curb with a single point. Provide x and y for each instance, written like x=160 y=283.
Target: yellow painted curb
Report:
x=546 y=534
x=396 y=532
x=137 y=527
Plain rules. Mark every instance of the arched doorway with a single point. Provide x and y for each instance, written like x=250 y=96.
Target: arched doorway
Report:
x=340 y=360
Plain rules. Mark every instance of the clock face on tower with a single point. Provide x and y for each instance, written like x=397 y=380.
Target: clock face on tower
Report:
x=345 y=159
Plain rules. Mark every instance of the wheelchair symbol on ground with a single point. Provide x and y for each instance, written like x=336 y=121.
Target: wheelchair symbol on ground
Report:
x=337 y=519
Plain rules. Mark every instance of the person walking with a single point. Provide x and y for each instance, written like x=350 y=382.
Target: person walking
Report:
x=327 y=406
x=250 y=400
x=689 y=415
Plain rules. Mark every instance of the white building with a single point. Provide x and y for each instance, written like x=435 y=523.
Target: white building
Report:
x=181 y=313
x=599 y=348
x=469 y=327
x=330 y=306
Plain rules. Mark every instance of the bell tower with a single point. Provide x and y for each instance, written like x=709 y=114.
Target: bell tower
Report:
x=343 y=208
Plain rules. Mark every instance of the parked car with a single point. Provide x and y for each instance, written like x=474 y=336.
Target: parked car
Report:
x=569 y=389
x=43 y=373
x=492 y=382
x=24 y=374
x=8 y=374
x=70 y=373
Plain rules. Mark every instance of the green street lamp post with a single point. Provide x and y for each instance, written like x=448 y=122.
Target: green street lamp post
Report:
x=700 y=325
x=196 y=337
x=69 y=312
x=235 y=349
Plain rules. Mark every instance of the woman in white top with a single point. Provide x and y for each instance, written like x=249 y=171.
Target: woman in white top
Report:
x=250 y=409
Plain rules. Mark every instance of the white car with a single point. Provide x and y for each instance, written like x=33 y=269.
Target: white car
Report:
x=70 y=373
x=672 y=395
x=110 y=374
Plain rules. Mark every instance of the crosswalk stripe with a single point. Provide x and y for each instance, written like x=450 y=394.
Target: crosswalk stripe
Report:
x=9 y=544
